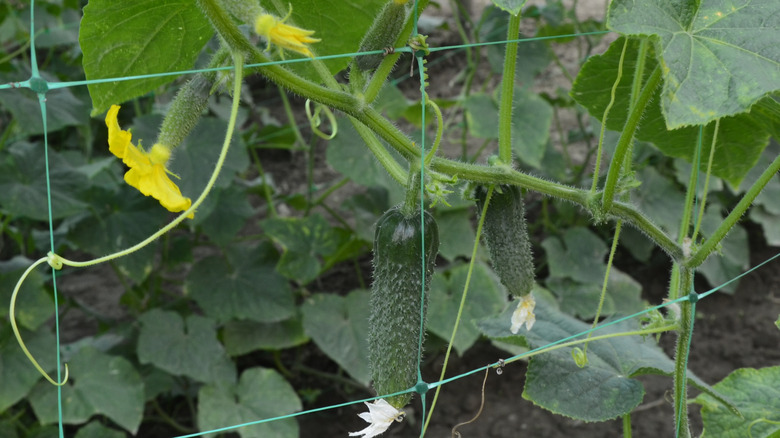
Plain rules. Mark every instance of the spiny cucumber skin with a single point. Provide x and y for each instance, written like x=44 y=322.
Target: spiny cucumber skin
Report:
x=381 y=35
x=506 y=235
x=185 y=111
x=394 y=323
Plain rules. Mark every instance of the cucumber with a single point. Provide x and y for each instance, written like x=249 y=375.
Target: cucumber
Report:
x=382 y=34
x=506 y=235
x=394 y=322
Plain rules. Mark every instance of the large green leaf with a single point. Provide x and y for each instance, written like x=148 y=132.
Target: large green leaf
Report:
x=603 y=389
x=339 y=326
x=660 y=199
x=195 y=158
x=23 y=183
x=579 y=255
x=326 y=19
x=756 y=392
x=530 y=123
x=241 y=337
x=732 y=259
x=456 y=232
x=96 y=430
x=485 y=297
x=304 y=241
x=719 y=57
x=99 y=384
x=227 y=218
x=119 y=220
x=17 y=375
x=184 y=346
x=348 y=154
x=531 y=120
x=141 y=37
x=366 y=208
x=243 y=286
x=740 y=139
x=623 y=295
x=260 y=394
x=63 y=107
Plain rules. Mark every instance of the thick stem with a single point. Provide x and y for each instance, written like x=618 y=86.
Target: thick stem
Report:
x=728 y=223
x=626 y=137
x=684 y=334
x=627 y=425
x=507 y=92
x=385 y=159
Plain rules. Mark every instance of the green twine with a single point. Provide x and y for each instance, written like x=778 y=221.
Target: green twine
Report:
x=40 y=86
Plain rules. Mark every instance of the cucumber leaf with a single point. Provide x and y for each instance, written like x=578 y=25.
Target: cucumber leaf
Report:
x=740 y=139
x=756 y=392
x=605 y=388
x=339 y=326
x=99 y=384
x=718 y=57
x=260 y=394
x=140 y=37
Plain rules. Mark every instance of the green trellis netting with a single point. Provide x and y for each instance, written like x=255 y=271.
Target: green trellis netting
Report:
x=42 y=87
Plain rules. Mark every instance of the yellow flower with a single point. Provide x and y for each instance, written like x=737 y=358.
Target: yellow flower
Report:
x=283 y=35
x=147 y=169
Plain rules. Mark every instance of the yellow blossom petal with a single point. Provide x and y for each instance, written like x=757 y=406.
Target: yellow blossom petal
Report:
x=283 y=35
x=147 y=170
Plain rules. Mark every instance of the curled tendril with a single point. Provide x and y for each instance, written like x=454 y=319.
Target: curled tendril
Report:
x=315 y=121
x=760 y=420
x=54 y=261
x=580 y=357
x=439 y=129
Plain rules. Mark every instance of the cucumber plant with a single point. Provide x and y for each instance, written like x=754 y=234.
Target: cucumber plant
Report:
x=693 y=81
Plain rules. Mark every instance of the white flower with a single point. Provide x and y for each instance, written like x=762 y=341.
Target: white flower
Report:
x=524 y=314
x=380 y=414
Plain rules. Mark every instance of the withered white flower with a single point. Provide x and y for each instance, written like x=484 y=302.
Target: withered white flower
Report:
x=524 y=314
x=380 y=414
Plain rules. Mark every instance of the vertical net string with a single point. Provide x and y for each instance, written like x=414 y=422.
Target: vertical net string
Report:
x=40 y=87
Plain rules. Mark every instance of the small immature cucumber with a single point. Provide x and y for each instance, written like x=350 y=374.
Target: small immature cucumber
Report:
x=382 y=34
x=394 y=323
x=507 y=238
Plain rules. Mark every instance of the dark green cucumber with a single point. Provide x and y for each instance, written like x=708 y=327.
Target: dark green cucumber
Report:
x=394 y=323
x=382 y=34
x=506 y=235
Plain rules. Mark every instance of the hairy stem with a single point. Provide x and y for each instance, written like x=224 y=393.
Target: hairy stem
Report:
x=626 y=137
x=728 y=223
x=684 y=334
x=507 y=92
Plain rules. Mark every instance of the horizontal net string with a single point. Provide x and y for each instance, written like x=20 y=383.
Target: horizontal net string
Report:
x=405 y=49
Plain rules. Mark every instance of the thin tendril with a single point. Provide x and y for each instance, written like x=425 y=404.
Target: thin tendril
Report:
x=239 y=62
x=12 y=316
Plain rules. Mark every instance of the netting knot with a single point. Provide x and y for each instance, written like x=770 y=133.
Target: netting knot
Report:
x=38 y=84
x=421 y=387
x=693 y=297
